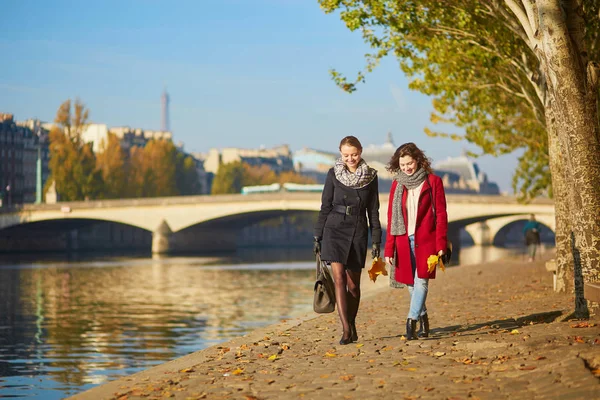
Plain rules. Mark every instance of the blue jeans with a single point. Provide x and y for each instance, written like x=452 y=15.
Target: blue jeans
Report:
x=418 y=291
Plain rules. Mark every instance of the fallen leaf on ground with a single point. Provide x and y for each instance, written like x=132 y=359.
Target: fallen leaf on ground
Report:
x=584 y=324
x=439 y=353
x=527 y=368
x=514 y=332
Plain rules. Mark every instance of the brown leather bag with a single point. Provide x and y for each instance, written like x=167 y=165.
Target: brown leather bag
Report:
x=324 y=297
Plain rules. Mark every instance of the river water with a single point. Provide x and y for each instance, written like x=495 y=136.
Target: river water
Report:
x=66 y=326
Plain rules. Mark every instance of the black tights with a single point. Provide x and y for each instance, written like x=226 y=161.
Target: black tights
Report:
x=347 y=295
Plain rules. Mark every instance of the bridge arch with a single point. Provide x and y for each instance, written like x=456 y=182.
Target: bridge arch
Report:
x=73 y=234
x=485 y=232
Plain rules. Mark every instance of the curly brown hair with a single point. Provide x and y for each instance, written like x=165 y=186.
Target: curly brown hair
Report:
x=351 y=141
x=409 y=149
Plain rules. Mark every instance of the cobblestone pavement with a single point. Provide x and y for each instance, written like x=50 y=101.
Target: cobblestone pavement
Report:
x=498 y=332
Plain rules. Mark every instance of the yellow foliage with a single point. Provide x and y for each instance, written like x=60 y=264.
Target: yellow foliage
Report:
x=377 y=268
x=434 y=261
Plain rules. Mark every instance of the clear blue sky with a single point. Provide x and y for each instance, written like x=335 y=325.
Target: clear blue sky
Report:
x=240 y=73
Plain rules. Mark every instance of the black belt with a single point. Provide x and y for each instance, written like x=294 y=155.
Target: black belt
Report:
x=347 y=210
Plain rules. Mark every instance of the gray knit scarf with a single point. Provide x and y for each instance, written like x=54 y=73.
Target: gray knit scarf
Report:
x=410 y=182
x=355 y=180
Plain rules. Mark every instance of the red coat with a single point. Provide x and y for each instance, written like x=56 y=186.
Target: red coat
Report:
x=428 y=240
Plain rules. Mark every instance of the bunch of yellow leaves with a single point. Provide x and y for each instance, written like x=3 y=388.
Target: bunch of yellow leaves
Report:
x=434 y=261
x=377 y=268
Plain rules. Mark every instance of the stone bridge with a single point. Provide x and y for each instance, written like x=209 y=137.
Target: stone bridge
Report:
x=211 y=222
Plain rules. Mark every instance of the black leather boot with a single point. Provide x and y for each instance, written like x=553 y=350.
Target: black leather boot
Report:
x=423 y=326
x=353 y=333
x=411 y=329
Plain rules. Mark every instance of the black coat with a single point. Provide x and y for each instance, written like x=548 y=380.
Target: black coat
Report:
x=345 y=236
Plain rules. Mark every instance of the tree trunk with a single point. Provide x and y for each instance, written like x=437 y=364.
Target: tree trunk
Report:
x=560 y=192
x=571 y=100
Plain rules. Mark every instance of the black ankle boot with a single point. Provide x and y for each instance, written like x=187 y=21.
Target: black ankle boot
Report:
x=411 y=329
x=353 y=333
x=423 y=326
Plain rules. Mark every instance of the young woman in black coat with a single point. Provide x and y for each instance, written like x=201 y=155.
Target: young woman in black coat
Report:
x=349 y=209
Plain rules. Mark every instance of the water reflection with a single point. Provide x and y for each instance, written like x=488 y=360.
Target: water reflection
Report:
x=67 y=326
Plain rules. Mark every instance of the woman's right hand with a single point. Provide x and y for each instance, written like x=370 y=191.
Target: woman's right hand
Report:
x=389 y=260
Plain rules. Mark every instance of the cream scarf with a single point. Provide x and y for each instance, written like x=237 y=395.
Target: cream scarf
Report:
x=355 y=180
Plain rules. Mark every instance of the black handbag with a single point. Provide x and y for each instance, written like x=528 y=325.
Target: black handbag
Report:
x=324 y=297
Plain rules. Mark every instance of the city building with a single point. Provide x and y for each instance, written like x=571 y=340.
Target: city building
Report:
x=21 y=143
x=314 y=163
x=278 y=158
x=462 y=175
x=97 y=134
x=204 y=177
x=35 y=146
x=130 y=137
x=11 y=161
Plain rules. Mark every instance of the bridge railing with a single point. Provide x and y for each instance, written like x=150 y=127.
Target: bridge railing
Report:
x=286 y=187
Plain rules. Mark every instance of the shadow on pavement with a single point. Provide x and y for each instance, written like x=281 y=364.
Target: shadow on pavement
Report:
x=496 y=325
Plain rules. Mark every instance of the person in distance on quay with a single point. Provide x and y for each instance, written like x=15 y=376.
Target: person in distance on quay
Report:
x=417 y=229
x=349 y=209
x=531 y=231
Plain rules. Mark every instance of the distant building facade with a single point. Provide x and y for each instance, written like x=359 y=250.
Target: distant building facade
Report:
x=20 y=144
x=314 y=163
x=36 y=144
x=279 y=158
x=97 y=134
x=460 y=174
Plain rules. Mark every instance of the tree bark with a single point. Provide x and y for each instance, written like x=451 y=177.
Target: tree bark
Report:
x=571 y=100
x=560 y=192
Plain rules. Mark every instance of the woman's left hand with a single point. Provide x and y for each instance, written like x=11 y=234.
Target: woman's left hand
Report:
x=441 y=253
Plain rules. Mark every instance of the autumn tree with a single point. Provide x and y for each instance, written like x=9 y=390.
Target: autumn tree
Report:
x=513 y=74
x=111 y=161
x=229 y=178
x=161 y=159
x=294 y=177
x=258 y=175
x=137 y=173
x=152 y=170
x=72 y=162
x=187 y=175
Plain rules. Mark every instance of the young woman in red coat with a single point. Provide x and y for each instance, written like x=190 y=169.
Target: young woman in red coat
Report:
x=417 y=228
